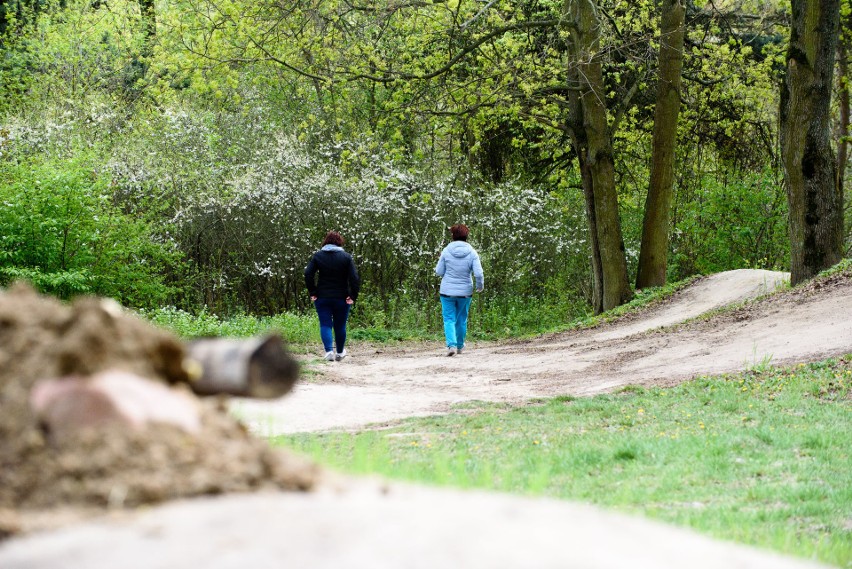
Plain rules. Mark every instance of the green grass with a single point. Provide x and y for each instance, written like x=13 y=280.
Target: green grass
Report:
x=419 y=320
x=294 y=328
x=491 y=318
x=761 y=457
x=841 y=267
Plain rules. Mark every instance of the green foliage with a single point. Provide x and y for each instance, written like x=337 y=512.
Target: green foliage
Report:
x=734 y=224
x=295 y=329
x=60 y=231
x=841 y=267
x=72 y=51
x=759 y=457
x=249 y=129
x=732 y=94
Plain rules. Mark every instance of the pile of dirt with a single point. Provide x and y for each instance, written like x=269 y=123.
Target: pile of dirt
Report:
x=101 y=468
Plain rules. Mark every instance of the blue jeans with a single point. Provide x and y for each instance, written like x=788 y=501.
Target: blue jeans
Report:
x=333 y=313
x=455 y=311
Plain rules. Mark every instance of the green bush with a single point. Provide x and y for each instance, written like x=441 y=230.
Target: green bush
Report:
x=731 y=224
x=60 y=231
x=294 y=328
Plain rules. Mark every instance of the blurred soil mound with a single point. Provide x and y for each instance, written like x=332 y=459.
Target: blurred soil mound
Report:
x=116 y=467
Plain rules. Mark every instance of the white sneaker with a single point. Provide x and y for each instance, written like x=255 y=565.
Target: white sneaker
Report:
x=329 y=356
x=459 y=350
x=451 y=351
x=340 y=355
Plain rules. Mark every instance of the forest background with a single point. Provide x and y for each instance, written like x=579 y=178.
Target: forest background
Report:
x=188 y=156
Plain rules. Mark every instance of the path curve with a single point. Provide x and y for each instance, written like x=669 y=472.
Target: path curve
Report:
x=381 y=387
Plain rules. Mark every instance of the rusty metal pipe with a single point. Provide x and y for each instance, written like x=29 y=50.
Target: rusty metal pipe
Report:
x=257 y=367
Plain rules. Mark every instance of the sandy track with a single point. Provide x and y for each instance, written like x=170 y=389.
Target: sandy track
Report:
x=651 y=348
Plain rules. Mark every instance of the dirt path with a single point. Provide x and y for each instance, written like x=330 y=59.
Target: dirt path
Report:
x=380 y=387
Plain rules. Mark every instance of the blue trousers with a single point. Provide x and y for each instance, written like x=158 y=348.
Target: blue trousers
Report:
x=333 y=313
x=455 y=311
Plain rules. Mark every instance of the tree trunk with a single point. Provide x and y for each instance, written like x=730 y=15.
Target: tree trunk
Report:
x=594 y=244
x=581 y=147
x=843 y=95
x=653 y=254
x=601 y=198
x=816 y=203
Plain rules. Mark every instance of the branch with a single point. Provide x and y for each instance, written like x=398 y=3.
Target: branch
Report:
x=395 y=8
x=393 y=76
x=478 y=14
x=703 y=82
x=627 y=98
x=302 y=72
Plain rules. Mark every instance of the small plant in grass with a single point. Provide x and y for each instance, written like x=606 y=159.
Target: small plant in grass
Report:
x=758 y=364
x=760 y=457
x=841 y=267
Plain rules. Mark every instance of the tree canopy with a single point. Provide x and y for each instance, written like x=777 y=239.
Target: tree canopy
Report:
x=237 y=132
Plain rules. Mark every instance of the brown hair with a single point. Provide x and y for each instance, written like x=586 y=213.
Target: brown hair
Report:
x=459 y=232
x=333 y=238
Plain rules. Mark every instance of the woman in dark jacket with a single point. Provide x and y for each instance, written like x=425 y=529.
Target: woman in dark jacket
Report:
x=333 y=293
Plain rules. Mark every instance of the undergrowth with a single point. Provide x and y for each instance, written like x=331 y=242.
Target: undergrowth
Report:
x=415 y=320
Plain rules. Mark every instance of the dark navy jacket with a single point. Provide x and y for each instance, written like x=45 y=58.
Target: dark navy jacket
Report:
x=338 y=277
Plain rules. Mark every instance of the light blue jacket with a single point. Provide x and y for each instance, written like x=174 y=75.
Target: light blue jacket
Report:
x=458 y=260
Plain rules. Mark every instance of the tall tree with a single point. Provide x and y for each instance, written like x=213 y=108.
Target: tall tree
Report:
x=843 y=95
x=815 y=200
x=148 y=12
x=653 y=253
x=137 y=68
x=593 y=144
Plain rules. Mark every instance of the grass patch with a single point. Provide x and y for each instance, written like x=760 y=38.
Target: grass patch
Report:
x=294 y=328
x=843 y=266
x=490 y=319
x=761 y=457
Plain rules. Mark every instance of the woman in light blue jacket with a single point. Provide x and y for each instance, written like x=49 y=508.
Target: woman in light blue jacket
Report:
x=458 y=261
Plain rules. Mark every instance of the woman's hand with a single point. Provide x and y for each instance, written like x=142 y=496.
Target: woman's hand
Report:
x=349 y=300
x=313 y=298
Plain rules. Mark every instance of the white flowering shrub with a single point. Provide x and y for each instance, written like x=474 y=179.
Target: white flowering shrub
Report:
x=246 y=203
x=253 y=241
